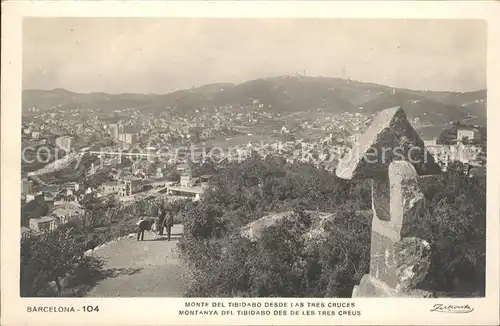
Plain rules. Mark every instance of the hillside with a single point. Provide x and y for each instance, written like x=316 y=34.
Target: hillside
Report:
x=427 y=110
x=67 y=100
x=285 y=94
x=474 y=101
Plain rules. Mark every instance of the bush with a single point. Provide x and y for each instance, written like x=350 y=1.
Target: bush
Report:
x=51 y=257
x=284 y=263
x=241 y=193
x=455 y=226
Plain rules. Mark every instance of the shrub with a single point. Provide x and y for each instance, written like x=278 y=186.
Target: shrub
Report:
x=280 y=264
x=455 y=226
x=51 y=257
x=56 y=255
x=284 y=263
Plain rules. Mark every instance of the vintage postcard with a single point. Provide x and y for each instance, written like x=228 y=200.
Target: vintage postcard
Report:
x=250 y=163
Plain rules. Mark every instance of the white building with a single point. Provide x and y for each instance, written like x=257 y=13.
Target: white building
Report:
x=430 y=142
x=43 y=224
x=196 y=193
x=26 y=187
x=64 y=143
x=182 y=167
x=113 y=131
x=122 y=188
x=79 y=128
x=35 y=134
x=285 y=130
x=66 y=212
x=25 y=232
x=187 y=178
x=355 y=138
x=470 y=134
x=128 y=138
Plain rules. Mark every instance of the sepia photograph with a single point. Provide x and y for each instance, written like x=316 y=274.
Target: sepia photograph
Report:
x=248 y=158
x=249 y=163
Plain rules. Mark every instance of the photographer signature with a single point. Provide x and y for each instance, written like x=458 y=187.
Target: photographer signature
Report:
x=455 y=309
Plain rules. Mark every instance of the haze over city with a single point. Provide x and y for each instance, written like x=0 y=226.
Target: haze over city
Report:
x=135 y=55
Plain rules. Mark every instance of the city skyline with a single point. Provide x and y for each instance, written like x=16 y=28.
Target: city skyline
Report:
x=66 y=53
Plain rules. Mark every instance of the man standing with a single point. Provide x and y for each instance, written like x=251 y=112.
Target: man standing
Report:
x=161 y=216
x=141 y=227
x=169 y=222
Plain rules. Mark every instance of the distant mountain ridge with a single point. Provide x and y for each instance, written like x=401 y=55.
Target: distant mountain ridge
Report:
x=284 y=94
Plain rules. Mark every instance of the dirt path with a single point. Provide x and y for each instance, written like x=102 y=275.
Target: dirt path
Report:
x=148 y=268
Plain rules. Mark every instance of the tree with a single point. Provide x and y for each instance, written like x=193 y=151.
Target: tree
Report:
x=282 y=263
x=244 y=192
x=99 y=211
x=33 y=209
x=50 y=257
x=173 y=176
x=455 y=226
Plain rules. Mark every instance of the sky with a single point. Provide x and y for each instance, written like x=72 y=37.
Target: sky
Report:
x=160 y=55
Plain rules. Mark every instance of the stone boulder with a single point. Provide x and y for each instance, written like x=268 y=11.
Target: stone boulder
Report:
x=390 y=137
x=371 y=287
x=253 y=231
x=393 y=156
x=413 y=263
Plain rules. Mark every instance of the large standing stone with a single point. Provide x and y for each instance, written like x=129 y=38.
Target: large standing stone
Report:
x=392 y=154
x=407 y=204
x=390 y=137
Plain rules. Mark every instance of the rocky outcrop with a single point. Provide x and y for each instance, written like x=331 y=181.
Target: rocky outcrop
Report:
x=371 y=287
x=253 y=230
x=393 y=156
x=389 y=137
x=412 y=263
x=319 y=220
